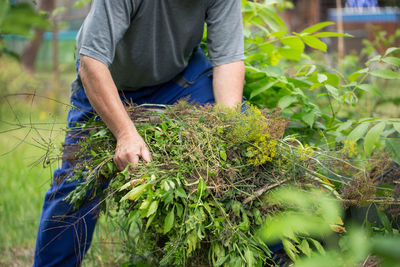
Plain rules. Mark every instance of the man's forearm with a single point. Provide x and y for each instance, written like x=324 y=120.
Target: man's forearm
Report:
x=103 y=96
x=228 y=80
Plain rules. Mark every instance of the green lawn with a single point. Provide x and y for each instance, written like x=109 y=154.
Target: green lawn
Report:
x=24 y=181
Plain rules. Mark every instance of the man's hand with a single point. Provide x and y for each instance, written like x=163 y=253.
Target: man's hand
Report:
x=228 y=80
x=103 y=96
x=129 y=149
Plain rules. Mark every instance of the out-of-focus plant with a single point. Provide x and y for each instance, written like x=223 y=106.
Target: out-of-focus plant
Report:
x=360 y=247
x=15 y=79
x=18 y=19
x=380 y=42
x=311 y=98
x=306 y=214
x=310 y=218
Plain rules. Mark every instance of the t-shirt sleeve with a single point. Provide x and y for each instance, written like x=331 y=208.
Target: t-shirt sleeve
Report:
x=104 y=27
x=224 y=31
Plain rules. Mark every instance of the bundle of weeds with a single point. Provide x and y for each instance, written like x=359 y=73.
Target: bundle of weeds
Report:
x=200 y=201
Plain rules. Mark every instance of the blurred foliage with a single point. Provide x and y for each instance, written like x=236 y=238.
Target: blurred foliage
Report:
x=15 y=79
x=18 y=19
x=312 y=95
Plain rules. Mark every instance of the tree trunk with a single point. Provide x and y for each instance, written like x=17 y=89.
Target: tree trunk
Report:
x=341 y=48
x=56 y=67
x=31 y=50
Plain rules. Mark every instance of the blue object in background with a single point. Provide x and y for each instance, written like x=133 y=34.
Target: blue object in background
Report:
x=364 y=15
x=362 y=3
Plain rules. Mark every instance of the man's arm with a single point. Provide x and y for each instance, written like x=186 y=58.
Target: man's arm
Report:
x=228 y=80
x=103 y=96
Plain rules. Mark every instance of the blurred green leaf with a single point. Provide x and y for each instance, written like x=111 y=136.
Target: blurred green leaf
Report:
x=386 y=74
x=294 y=42
x=314 y=43
x=317 y=27
x=290 y=249
x=305 y=247
x=396 y=126
x=358 y=132
x=391 y=50
x=286 y=101
x=370 y=89
x=309 y=118
x=372 y=137
x=4 y=7
x=152 y=209
x=262 y=89
x=20 y=19
x=355 y=75
x=289 y=53
x=331 y=34
x=393 y=146
x=169 y=221
x=387 y=247
x=395 y=61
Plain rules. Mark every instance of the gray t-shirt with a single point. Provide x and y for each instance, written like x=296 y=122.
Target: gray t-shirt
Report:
x=149 y=42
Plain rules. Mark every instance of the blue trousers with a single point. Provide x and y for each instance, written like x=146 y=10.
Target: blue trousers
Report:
x=65 y=234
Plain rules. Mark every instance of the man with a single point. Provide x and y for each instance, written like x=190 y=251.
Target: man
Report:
x=145 y=51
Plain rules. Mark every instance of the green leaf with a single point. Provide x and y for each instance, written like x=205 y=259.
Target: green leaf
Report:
x=355 y=75
x=169 y=221
x=278 y=34
x=222 y=260
x=152 y=209
x=373 y=59
x=249 y=258
x=179 y=209
x=386 y=74
x=309 y=118
x=391 y=50
x=370 y=89
x=294 y=42
x=372 y=137
x=290 y=249
x=262 y=89
x=333 y=91
x=314 y=43
x=305 y=247
x=317 y=245
x=317 y=27
x=145 y=204
x=344 y=126
x=396 y=126
x=322 y=78
x=394 y=148
x=331 y=34
x=289 y=53
x=222 y=154
x=358 y=132
x=395 y=61
x=135 y=193
x=149 y=221
x=286 y=101
x=180 y=192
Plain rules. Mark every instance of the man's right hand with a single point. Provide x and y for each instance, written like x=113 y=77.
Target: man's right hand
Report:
x=103 y=96
x=129 y=148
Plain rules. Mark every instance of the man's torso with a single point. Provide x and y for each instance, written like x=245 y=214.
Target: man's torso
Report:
x=158 y=43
